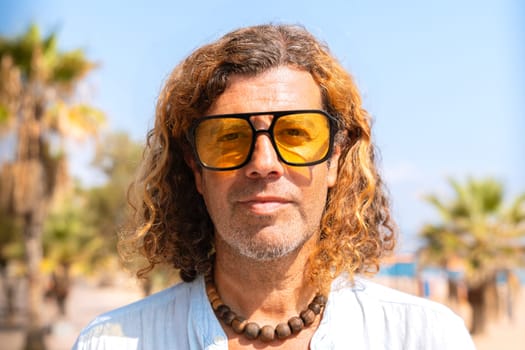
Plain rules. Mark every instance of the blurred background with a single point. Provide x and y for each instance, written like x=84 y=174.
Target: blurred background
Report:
x=443 y=80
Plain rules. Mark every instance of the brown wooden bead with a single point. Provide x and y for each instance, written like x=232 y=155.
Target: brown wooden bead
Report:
x=238 y=324
x=296 y=324
x=228 y=317
x=308 y=317
x=251 y=330
x=213 y=296
x=209 y=288
x=320 y=299
x=316 y=308
x=282 y=330
x=267 y=334
x=221 y=310
x=215 y=304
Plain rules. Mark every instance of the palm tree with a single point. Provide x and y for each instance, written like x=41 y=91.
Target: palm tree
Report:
x=11 y=250
x=37 y=84
x=70 y=242
x=479 y=230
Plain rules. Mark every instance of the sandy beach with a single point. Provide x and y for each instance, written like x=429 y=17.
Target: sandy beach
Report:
x=88 y=300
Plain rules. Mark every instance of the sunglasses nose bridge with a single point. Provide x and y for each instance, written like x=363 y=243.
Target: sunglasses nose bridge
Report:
x=262 y=128
x=261 y=132
x=263 y=158
x=258 y=132
x=261 y=122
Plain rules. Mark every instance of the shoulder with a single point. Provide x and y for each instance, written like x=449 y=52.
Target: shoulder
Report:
x=394 y=316
x=176 y=294
x=123 y=327
x=375 y=294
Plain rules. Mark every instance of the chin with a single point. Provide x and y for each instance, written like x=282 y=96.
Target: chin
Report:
x=268 y=253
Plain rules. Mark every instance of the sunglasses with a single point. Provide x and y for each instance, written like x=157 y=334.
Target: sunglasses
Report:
x=226 y=142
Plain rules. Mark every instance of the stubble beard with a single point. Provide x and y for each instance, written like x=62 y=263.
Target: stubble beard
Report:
x=262 y=242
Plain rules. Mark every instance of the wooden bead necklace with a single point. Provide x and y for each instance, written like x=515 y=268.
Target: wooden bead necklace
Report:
x=252 y=330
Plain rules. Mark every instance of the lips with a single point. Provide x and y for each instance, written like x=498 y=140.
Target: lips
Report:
x=264 y=205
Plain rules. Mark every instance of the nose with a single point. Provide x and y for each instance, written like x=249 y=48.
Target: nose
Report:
x=264 y=162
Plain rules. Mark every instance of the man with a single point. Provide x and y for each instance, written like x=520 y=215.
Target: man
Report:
x=259 y=186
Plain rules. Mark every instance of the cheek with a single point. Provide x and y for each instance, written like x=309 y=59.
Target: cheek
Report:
x=316 y=189
x=213 y=186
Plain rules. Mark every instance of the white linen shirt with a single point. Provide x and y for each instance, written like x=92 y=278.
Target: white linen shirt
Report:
x=363 y=315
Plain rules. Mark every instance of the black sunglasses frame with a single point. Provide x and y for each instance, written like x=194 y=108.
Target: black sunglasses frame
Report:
x=276 y=115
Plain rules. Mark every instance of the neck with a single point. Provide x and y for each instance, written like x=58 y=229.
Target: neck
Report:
x=264 y=291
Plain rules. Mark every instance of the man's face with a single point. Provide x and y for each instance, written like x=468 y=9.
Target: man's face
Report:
x=266 y=209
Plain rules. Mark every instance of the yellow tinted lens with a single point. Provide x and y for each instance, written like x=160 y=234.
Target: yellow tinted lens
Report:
x=302 y=138
x=223 y=142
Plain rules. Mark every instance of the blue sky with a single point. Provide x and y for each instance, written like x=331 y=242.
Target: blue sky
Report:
x=443 y=80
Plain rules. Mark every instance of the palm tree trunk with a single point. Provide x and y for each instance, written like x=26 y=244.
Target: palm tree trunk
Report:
x=493 y=299
x=32 y=197
x=476 y=298
x=33 y=246
x=9 y=293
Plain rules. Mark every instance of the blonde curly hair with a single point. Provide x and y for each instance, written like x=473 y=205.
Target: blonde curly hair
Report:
x=170 y=222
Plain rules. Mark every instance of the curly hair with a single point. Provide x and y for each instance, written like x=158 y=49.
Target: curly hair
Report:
x=171 y=225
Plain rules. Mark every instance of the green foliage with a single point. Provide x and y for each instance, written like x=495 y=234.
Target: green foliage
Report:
x=78 y=121
x=21 y=48
x=69 y=240
x=477 y=228
x=11 y=247
x=4 y=115
x=117 y=156
x=81 y=230
x=59 y=67
x=69 y=66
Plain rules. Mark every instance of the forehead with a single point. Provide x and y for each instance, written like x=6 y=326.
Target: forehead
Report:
x=282 y=88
